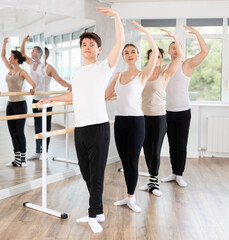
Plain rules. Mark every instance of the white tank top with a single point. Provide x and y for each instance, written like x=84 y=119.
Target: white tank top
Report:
x=129 y=97
x=177 y=96
x=152 y=98
x=38 y=77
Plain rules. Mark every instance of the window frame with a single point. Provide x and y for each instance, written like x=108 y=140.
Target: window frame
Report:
x=183 y=36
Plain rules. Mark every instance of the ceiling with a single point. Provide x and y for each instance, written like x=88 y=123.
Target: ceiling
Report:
x=14 y=18
x=131 y=1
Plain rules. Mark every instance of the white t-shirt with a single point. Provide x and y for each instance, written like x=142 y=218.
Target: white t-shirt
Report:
x=88 y=89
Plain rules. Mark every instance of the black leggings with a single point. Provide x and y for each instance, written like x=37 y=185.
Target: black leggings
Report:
x=38 y=127
x=178 y=129
x=155 y=128
x=129 y=137
x=16 y=127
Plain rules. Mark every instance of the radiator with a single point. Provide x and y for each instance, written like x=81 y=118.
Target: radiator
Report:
x=218 y=135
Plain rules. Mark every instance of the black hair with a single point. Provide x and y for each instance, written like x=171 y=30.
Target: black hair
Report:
x=18 y=56
x=150 y=50
x=171 y=44
x=91 y=35
x=47 y=52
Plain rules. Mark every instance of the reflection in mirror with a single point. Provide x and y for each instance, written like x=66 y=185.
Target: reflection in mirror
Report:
x=16 y=136
x=58 y=63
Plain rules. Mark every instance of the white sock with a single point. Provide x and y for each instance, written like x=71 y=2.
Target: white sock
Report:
x=170 y=178
x=157 y=193
x=131 y=203
x=180 y=181
x=99 y=218
x=144 y=188
x=35 y=156
x=123 y=201
x=95 y=226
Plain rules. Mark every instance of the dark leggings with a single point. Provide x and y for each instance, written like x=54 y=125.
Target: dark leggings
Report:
x=155 y=128
x=38 y=127
x=92 y=143
x=129 y=137
x=178 y=129
x=16 y=127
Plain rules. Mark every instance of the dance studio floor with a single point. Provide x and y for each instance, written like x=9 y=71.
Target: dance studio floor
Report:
x=198 y=212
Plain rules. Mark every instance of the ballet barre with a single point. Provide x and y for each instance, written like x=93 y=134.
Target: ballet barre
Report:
x=11 y=94
x=54 y=104
x=29 y=115
x=51 y=104
x=59 y=132
x=65 y=104
x=44 y=208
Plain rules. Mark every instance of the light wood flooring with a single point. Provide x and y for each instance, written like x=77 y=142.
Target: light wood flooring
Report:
x=198 y=212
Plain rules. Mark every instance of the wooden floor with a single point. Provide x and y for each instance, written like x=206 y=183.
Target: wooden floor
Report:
x=198 y=212
x=12 y=176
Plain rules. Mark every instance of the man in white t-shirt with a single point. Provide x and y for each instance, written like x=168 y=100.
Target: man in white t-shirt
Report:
x=92 y=129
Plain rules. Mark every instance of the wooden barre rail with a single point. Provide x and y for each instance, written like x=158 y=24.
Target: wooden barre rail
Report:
x=21 y=116
x=54 y=104
x=10 y=94
x=59 y=132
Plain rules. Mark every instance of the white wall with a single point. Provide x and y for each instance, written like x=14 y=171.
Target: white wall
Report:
x=198 y=136
x=175 y=9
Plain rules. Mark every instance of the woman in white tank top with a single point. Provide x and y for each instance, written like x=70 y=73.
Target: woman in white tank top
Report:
x=155 y=114
x=129 y=121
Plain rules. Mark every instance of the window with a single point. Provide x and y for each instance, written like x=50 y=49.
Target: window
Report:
x=207 y=25
x=207 y=77
x=154 y=26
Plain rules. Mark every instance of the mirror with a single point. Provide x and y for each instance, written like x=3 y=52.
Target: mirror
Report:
x=16 y=23
x=61 y=37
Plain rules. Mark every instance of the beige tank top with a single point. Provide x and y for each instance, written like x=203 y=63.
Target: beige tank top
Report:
x=152 y=98
x=15 y=85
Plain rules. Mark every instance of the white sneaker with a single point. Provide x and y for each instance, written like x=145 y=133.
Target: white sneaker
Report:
x=35 y=156
x=47 y=157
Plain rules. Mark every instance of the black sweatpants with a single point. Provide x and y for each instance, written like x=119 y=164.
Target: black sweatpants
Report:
x=178 y=129
x=155 y=128
x=92 y=143
x=129 y=137
x=16 y=127
x=38 y=127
